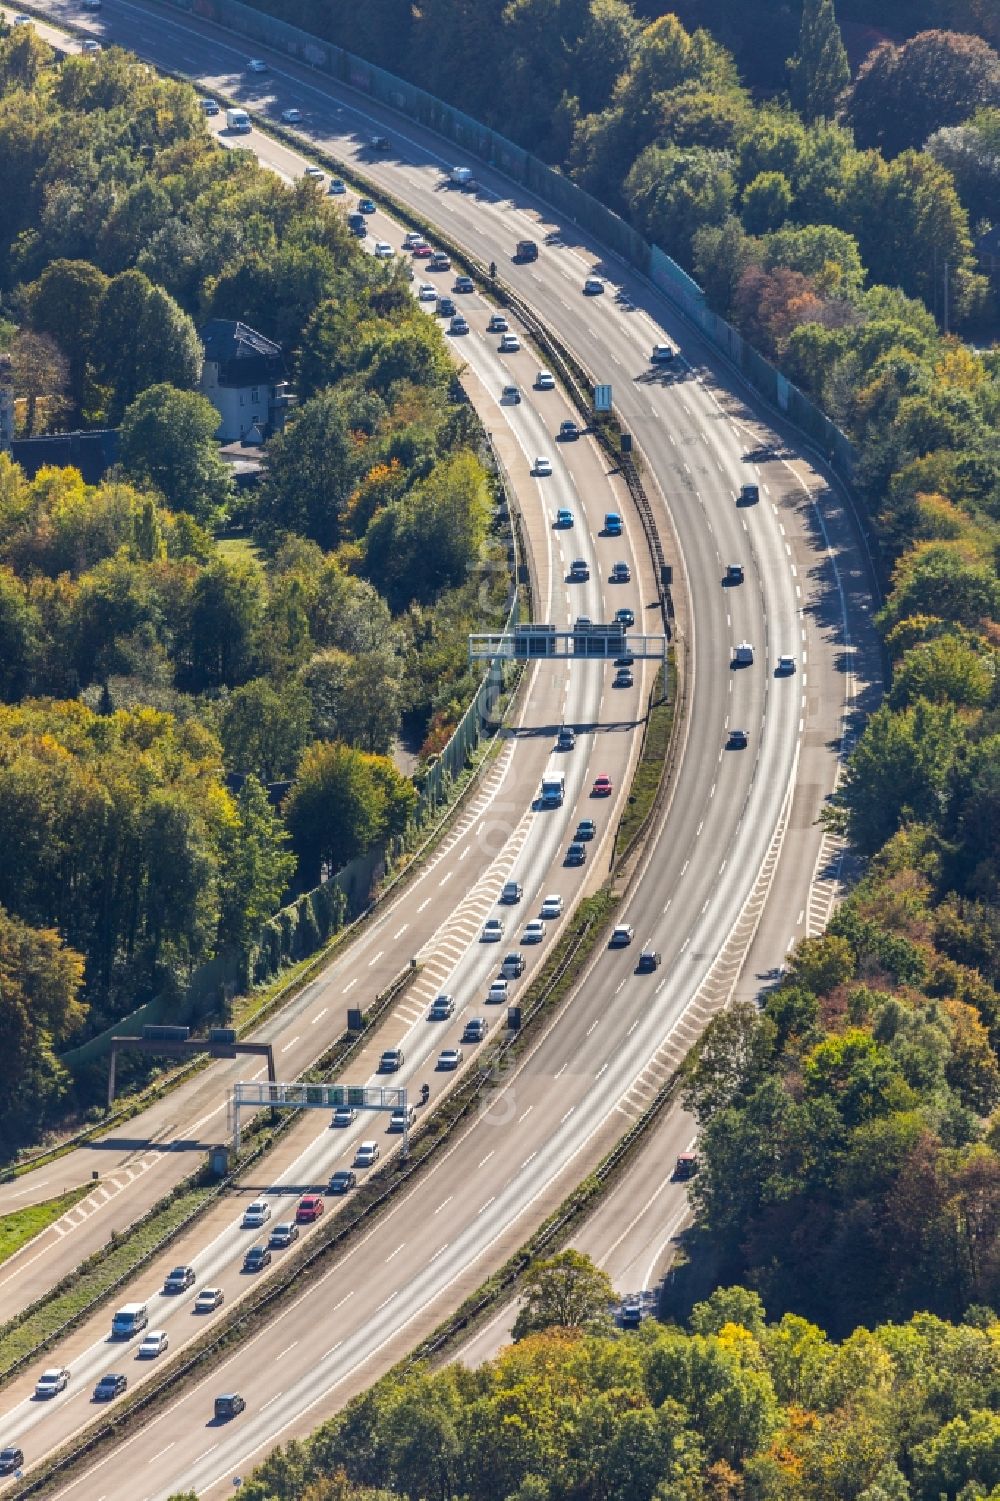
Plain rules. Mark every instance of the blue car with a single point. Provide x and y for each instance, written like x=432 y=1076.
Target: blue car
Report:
x=564 y=518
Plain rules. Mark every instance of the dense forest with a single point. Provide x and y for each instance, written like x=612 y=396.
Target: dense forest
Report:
x=730 y=1408
x=169 y=646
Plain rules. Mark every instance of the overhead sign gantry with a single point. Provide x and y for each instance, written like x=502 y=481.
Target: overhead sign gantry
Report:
x=586 y=639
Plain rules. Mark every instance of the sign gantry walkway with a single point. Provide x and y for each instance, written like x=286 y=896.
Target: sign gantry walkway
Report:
x=584 y=640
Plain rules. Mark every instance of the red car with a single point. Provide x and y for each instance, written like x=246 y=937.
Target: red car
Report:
x=310 y=1208
x=602 y=787
x=421 y=250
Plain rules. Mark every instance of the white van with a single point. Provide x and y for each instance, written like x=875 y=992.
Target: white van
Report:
x=238 y=121
x=131 y=1319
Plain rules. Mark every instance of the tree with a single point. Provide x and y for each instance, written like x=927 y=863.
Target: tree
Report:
x=899 y=771
x=734 y=1049
x=257 y=867
x=566 y=1290
x=64 y=302
x=313 y=467
x=340 y=803
x=947 y=670
x=41 y=373
x=819 y=72
x=901 y=95
x=674 y=191
x=143 y=338
x=168 y=441
x=265 y=728
x=767 y=202
x=227 y=603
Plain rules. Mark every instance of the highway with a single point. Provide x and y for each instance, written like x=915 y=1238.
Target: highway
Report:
x=732 y=814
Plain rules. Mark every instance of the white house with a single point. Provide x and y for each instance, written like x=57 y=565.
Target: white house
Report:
x=244 y=378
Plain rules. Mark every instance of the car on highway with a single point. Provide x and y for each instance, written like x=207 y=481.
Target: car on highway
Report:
x=511 y=893
x=153 y=1343
x=613 y=525
x=602 y=787
x=513 y=965
x=492 y=930
x=292 y=116
x=442 y=1007
x=534 y=931
x=391 y=1061
x=380 y=143
x=738 y=739
x=310 y=1208
x=426 y=293
x=402 y=1117
x=785 y=667
x=498 y=324
x=621 y=936
x=412 y=239
x=439 y=260
x=337 y=186
x=497 y=993
x=344 y=1115
x=511 y=394
x=367 y=1154
x=446 y=308
x=621 y=573
x=579 y=572
x=463 y=284
x=568 y=431
x=552 y=906
x=256 y=1259
x=256 y=65
x=623 y=678
x=111 y=1385
x=343 y=1181
x=686 y=1166
x=51 y=1382
x=179 y=1280
x=229 y=1406
x=566 y=739
x=282 y=1235
x=734 y=573
x=383 y=250
x=450 y=1058
x=458 y=325
x=542 y=467
x=630 y=1314
x=585 y=829
x=91 y=46
x=662 y=354
x=593 y=286
x=475 y=1029
x=509 y=344
x=545 y=381
x=256 y=1214
x=11 y=1459
x=209 y=1299
x=209 y=107
x=365 y=206
x=649 y=960
x=625 y=660
x=749 y=495
x=742 y=654
x=576 y=854
x=564 y=518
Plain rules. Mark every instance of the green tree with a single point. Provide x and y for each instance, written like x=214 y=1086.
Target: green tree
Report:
x=168 y=440
x=142 y=338
x=566 y=1290
x=340 y=803
x=256 y=869
x=64 y=303
x=227 y=604
x=265 y=728
x=819 y=72
x=674 y=191
x=313 y=467
x=733 y=1051
x=767 y=202
x=899 y=771
x=947 y=670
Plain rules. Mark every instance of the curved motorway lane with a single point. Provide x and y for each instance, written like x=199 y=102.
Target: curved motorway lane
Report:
x=564 y=1104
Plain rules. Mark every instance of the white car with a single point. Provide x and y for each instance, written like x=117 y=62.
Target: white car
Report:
x=154 y=1343
x=543 y=466
x=662 y=354
x=256 y=1214
x=593 y=286
x=50 y=1383
x=621 y=936
x=545 y=381
x=344 y=1115
x=412 y=239
x=552 y=906
x=492 y=930
x=383 y=250
x=316 y=173
x=292 y=116
x=91 y=46
x=450 y=1058
x=337 y=186
x=534 y=932
x=458 y=325
x=367 y=1154
x=509 y=344
x=498 y=324
x=497 y=993
x=427 y=293
x=209 y=1299
x=256 y=65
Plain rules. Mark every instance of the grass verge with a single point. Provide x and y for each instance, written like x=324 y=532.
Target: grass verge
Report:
x=24 y=1224
x=649 y=770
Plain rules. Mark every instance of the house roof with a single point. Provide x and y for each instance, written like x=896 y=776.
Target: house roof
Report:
x=93 y=453
x=227 y=339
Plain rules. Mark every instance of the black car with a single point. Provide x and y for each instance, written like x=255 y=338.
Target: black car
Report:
x=576 y=854
x=625 y=660
x=649 y=960
x=463 y=284
x=342 y=1180
x=734 y=573
x=631 y=1313
x=229 y=1406
x=109 y=1386
x=585 y=829
x=11 y=1459
x=738 y=740
x=446 y=307
x=256 y=1259
x=381 y=143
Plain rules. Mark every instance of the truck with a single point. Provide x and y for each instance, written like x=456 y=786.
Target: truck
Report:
x=238 y=121
x=461 y=177
x=129 y=1320
x=526 y=250
x=553 y=790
